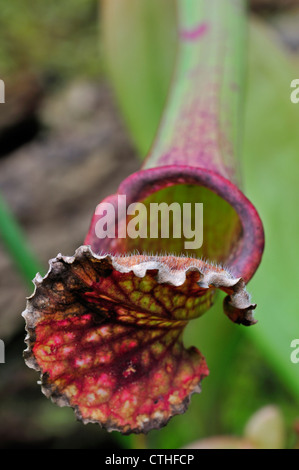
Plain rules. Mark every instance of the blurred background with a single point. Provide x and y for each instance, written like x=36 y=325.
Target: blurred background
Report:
x=64 y=146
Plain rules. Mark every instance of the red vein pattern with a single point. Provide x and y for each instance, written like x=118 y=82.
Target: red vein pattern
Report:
x=106 y=334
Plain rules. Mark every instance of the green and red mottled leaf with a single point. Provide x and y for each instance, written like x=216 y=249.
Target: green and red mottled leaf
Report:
x=106 y=334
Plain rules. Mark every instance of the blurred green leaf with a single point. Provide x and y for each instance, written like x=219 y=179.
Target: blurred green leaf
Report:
x=140 y=54
x=271 y=166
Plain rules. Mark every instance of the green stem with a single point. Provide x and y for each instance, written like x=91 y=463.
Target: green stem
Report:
x=16 y=245
x=201 y=122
